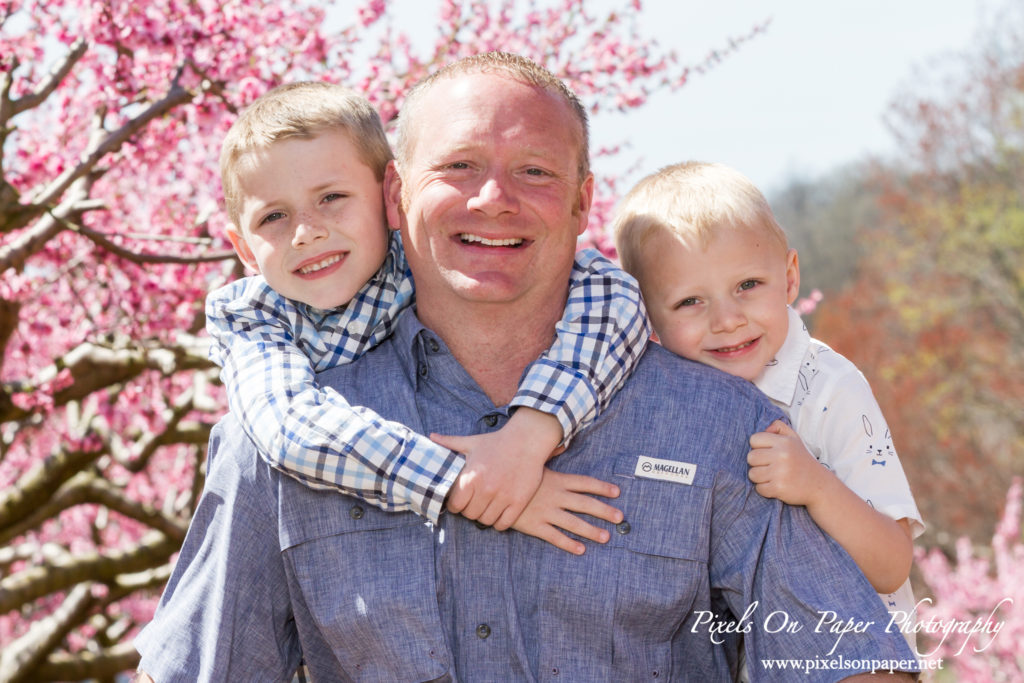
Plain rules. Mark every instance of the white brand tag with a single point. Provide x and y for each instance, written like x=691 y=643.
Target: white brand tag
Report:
x=666 y=470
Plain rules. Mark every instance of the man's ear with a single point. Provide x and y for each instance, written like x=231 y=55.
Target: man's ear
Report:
x=792 y=276
x=393 y=195
x=586 y=199
x=242 y=248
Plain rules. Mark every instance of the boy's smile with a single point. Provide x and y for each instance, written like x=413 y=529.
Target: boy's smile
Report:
x=724 y=305
x=312 y=218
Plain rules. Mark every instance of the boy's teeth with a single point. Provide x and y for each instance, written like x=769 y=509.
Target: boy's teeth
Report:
x=508 y=242
x=736 y=348
x=306 y=270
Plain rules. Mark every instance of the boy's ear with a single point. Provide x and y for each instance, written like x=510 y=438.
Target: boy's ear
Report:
x=242 y=248
x=393 y=195
x=792 y=276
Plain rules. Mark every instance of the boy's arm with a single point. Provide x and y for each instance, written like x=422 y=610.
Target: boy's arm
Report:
x=601 y=337
x=781 y=467
x=267 y=352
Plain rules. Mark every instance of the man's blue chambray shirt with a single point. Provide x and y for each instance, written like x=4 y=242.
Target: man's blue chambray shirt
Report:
x=273 y=572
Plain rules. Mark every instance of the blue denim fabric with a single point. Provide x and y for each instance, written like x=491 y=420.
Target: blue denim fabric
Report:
x=273 y=571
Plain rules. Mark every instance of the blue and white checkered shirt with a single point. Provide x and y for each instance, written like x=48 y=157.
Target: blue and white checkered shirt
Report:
x=270 y=347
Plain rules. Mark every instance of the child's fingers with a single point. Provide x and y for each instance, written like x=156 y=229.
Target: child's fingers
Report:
x=556 y=538
x=507 y=518
x=781 y=428
x=581 y=483
x=454 y=443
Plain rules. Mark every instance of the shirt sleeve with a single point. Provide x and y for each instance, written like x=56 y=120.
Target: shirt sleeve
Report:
x=600 y=339
x=269 y=349
x=225 y=614
x=857 y=446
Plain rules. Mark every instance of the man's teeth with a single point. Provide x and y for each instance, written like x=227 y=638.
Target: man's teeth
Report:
x=508 y=242
x=330 y=260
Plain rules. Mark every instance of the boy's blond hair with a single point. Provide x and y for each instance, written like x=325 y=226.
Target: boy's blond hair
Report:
x=301 y=110
x=693 y=200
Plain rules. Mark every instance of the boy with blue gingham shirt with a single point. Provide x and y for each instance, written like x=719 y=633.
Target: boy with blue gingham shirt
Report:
x=272 y=333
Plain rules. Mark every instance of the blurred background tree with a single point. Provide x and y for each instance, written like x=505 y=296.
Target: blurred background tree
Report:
x=934 y=314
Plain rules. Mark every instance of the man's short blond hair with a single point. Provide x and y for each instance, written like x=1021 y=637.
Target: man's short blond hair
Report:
x=301 y=110
x=514 y=66
x=692 y=200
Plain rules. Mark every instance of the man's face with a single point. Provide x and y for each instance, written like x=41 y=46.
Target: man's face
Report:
x=312 y=218
x=489 y=201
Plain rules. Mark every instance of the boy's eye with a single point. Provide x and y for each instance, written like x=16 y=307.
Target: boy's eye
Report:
x=271 y=217
x=748 y=284
x=332 y=196
x=689 y=301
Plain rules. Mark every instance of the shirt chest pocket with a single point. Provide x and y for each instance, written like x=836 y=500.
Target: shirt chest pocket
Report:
x=662 y=547
x=366 y=581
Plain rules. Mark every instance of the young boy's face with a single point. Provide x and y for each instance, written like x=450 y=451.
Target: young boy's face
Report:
x=311 y=218
x=723 y=306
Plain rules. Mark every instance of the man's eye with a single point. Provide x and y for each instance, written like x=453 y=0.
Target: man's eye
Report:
x=536 y=171
x=458 y=165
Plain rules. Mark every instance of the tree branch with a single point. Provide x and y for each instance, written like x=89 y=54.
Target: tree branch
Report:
x=94 y=367
x=46 y=88
x=152 y=550
x=88 y=665
x=84 y=488
x=35 y=487
x=103 y=241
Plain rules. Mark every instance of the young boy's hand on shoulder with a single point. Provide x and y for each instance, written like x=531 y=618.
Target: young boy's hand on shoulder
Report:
x=781 y=467
x=504 y=484
x=503 y=468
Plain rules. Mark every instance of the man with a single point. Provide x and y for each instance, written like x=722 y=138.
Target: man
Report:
x=490 y=190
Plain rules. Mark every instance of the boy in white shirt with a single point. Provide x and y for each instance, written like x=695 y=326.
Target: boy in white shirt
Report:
x=302 y=170
x=718 y=278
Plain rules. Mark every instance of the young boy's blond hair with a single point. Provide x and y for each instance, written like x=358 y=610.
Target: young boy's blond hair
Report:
x=693 y=200
x=302 y=110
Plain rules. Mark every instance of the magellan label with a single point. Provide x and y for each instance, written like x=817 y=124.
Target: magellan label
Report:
x=666 y=470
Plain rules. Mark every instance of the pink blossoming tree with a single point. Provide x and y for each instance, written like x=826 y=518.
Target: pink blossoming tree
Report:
x=111 y=114
x=975 y=622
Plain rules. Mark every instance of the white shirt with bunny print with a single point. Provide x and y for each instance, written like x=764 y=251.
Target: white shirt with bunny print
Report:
x=832 y=408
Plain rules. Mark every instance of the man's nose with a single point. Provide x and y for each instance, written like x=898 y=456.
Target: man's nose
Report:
x=494 y=197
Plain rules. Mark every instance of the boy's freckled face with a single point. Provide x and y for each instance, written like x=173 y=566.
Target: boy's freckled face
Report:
x=312 y=218
x=724 y=306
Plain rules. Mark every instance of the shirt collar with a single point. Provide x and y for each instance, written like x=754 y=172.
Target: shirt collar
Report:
x=778 y=381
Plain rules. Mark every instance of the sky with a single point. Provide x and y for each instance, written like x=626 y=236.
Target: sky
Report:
x=806 y=96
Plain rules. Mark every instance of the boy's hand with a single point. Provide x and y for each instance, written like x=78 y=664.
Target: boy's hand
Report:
x=781 y=467
x=560 y=500
x=503 y=468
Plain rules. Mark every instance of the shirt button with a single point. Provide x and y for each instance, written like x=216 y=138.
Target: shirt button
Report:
x=491 y=420
x=483 y=631
x=433 y=345
x=423 y=370
x=623 y=527
x=356 y=512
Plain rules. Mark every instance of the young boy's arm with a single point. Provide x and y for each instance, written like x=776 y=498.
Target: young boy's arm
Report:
x=269 y=354
x=600 y=338
x=781 y=467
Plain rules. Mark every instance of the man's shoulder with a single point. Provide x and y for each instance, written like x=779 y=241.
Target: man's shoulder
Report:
x=681 y=379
